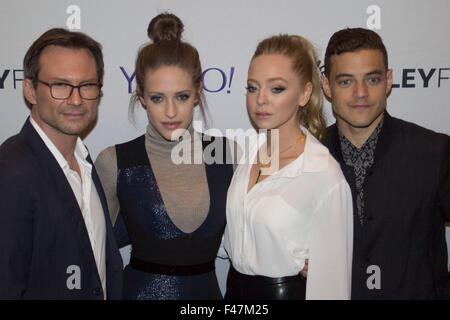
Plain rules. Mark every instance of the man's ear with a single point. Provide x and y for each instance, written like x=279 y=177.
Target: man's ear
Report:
x=325 y=86
x=389 y=81
x=29 y=91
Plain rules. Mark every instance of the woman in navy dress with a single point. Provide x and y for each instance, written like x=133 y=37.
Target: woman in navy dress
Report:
x=165 y=195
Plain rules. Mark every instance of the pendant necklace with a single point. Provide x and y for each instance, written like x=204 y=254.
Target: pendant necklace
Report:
x=300 y=138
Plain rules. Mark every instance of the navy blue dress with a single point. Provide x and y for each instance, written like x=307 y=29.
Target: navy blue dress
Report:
x=167 y=263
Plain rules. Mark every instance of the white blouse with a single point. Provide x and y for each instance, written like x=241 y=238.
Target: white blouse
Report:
x=302 y=211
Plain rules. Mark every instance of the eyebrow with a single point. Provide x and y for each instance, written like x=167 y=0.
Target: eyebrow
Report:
x=269 y=80
x=348 y=75
x=93 y=80
x=163 y=94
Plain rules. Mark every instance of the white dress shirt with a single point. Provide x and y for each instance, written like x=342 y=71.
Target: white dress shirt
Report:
x=302 y=211
x=87 y=197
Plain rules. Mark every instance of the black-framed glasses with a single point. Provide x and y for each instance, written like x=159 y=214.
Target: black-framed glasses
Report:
x=62 y=91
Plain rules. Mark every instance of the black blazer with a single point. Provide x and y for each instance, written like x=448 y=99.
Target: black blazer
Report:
x=44 y=244
x=407 y=201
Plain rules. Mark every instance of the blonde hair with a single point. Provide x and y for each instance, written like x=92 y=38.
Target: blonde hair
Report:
x=304 y=63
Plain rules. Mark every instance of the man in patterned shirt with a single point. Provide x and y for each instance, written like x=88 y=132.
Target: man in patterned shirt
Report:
x=399 y=174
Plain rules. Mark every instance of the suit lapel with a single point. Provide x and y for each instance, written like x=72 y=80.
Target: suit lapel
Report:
x=53 y=172
x=113 y=259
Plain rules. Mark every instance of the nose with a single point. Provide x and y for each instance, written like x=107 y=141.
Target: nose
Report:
x=75 y=97
x=360 y=90
x=171 y=109
x=261 y=98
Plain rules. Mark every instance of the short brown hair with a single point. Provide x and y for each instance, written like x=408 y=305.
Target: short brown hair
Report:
x=63 y=38
x=351 y=40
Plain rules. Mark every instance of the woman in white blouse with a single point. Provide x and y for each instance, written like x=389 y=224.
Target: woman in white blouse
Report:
x=289 y=208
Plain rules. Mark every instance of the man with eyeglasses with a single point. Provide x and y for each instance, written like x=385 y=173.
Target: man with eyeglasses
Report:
x=56 y=238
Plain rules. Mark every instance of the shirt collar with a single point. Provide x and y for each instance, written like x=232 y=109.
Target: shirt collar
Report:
x=385 y=139
x=373 y=138
x=314 y=158
x=315 y=154
x=81 y=152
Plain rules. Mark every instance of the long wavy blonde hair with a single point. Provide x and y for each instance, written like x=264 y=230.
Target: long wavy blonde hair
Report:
x=304 y=63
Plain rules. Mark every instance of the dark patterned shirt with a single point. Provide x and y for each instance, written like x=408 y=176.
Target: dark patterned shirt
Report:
x=361 y=160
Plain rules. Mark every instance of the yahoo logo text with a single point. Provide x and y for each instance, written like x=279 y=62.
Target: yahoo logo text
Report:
x=214 y=79
x=224 y=79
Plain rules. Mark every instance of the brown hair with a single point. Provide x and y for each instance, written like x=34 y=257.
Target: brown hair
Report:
x=304 y=63
x=167 y=49
x=63 y=38
x=351 y=40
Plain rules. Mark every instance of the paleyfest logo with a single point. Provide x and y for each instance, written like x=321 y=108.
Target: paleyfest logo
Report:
x=214 y=79
x=417 y=77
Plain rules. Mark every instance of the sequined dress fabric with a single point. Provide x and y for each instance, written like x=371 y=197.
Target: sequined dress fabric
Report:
x=156 y=239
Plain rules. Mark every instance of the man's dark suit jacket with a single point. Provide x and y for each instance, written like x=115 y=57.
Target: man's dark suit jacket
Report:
x=407 y=201
x=44 y=243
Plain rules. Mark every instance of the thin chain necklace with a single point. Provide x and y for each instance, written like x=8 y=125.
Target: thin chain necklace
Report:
x=300 y=138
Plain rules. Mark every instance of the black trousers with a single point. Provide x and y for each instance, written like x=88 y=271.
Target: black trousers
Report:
x=244 y=287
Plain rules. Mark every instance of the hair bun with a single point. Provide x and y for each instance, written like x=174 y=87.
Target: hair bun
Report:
x=165 y=27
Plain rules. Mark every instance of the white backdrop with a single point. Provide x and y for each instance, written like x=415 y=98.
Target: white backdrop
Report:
x=226 y=33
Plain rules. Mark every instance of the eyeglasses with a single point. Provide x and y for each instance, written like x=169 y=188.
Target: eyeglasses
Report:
x=62 y=91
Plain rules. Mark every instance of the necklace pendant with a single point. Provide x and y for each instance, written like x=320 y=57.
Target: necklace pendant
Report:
x=259 y=174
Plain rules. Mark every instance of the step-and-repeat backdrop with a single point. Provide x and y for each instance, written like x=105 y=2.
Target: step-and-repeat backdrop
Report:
x=416 y=34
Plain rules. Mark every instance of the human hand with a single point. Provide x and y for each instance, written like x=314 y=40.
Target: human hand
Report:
x=304 y=272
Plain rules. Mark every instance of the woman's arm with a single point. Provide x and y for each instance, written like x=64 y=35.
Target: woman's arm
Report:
x=106 y=166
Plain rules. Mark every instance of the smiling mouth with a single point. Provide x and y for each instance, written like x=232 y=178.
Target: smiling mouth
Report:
x=73 y=115
x=171 y=125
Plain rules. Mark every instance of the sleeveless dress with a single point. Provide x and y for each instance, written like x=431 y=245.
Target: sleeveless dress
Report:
x=167 y=263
